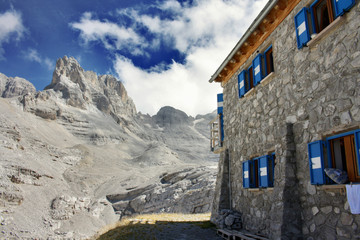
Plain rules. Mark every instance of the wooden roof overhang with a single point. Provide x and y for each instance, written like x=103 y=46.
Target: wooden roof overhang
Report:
x=274 y=12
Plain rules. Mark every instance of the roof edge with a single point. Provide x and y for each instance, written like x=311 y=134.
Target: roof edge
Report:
x=268 y=7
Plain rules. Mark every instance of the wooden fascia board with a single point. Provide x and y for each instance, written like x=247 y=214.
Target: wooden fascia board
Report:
x=276 y=16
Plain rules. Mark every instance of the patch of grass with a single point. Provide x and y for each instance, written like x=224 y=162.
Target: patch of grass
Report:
x=205 y=225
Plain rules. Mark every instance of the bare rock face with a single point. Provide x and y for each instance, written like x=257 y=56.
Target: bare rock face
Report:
x=12 y=87
x=169 y=117
x=187 y=191
x=77 y=157
x=80 y=88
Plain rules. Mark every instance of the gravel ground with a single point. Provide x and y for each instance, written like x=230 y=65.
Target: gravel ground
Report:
x=164 y=231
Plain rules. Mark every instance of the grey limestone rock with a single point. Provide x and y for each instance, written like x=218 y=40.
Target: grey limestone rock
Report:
x=77 y=157
x=13 y=87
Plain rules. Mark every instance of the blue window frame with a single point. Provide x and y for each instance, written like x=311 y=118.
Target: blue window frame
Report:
x=302 y=28
x=259 y=172
x=257 y=69
x=220 y=103
x=269 y=61
x=342 y=6
x=246 y=171
x=241 y=84
x=342 y=152
x=322 y=13
x=266 y=171
x=316 y=162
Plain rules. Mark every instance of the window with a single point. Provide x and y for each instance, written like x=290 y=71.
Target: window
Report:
x=320 y=14
x=217 y=126
x=245 y=81
x=262 y=65
x=339 y=151
x=216 y=134
x=269 y=61
x=259 y=172
x=249 y=79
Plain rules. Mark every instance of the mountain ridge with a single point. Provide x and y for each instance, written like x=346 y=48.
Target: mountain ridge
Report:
x=79 y=156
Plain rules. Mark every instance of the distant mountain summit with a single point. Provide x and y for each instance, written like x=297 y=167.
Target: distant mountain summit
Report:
x=169 y=116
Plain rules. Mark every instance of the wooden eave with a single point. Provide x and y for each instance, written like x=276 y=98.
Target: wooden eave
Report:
x=249 y=43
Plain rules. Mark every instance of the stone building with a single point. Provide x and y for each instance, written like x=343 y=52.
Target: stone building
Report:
x=291 y=108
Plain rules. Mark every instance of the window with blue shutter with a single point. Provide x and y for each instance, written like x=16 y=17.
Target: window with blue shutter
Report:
x=357 y=149
x=241 y=84
x=257 y=69
x=316 y=162
x=222 y=127
x=246 y=174
x=266 y=171
x=269 y=61
x=220 y=101
x=263 y=171
x=249 y=80
x=341 y=6
x=302 y=28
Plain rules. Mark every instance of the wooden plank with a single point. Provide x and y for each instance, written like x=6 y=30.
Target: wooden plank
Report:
x=224 y=233
x=256 y=236
x=241 y=236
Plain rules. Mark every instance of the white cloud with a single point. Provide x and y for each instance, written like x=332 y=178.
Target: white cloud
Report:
x=203 y=23
x=33 y=55
x=11 y=28
x=111 y=35
x=206 y=33
x=179 y=86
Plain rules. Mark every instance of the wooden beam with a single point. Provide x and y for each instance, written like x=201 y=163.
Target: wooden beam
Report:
x=272 y=21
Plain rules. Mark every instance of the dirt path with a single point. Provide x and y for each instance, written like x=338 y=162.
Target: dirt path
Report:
x=164 y=231
x=163 y=227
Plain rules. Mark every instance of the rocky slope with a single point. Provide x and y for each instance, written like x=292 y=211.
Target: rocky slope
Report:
x=77 y=156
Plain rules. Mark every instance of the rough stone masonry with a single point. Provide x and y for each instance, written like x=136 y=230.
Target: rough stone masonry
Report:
x=313 y=93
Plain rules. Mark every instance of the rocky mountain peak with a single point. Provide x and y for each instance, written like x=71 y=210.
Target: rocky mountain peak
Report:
x=169 y=116
x=80 y=88
x=11 y=87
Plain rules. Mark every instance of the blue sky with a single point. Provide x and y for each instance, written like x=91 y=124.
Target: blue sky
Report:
x=164 y=51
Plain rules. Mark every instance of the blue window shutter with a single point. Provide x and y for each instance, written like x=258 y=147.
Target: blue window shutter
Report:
x=222 y=127
x=341 y=6
x=264 y=171
x=257 y=69
x=220 y=101
x=316 y=162
x=246 y=174
x=302 y=28
x=241 y=84
x=357 y=149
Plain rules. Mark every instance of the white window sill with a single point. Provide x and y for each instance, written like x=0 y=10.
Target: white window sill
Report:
x=267 y=79
x=250 y=92
x=315 y=39
x=340 y=188
x=260 y=189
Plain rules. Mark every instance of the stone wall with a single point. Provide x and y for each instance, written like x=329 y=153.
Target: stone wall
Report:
x=314 y=92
